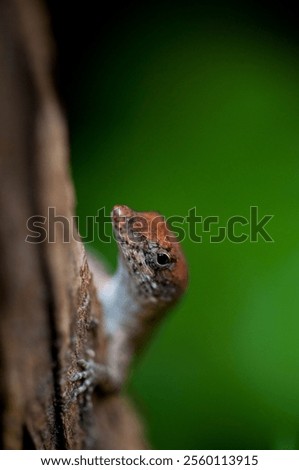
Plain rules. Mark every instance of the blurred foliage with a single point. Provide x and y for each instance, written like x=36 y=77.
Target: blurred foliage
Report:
x=183 y=110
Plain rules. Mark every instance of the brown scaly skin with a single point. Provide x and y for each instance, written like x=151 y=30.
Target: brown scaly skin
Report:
x=151 y=276
x=152 y=255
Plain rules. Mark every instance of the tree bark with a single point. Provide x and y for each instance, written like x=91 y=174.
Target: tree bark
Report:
x=50 y=315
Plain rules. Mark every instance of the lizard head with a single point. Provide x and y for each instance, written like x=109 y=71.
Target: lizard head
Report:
x=150 y=254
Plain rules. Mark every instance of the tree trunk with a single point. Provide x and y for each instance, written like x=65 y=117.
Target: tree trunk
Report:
x=50 y=315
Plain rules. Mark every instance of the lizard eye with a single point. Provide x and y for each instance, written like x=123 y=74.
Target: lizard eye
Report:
x=163 y=259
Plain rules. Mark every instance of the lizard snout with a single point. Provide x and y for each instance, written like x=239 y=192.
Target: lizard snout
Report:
x=120 y=211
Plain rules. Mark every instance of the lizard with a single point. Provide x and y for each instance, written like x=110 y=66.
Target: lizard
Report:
x=151 y=276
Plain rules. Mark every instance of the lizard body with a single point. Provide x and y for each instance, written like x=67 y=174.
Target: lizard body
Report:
x=150 y=277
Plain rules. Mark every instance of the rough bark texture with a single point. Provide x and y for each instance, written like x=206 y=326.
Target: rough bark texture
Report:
x=50 y=315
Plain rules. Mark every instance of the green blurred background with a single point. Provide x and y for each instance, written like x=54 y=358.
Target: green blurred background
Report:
x=176 y=105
